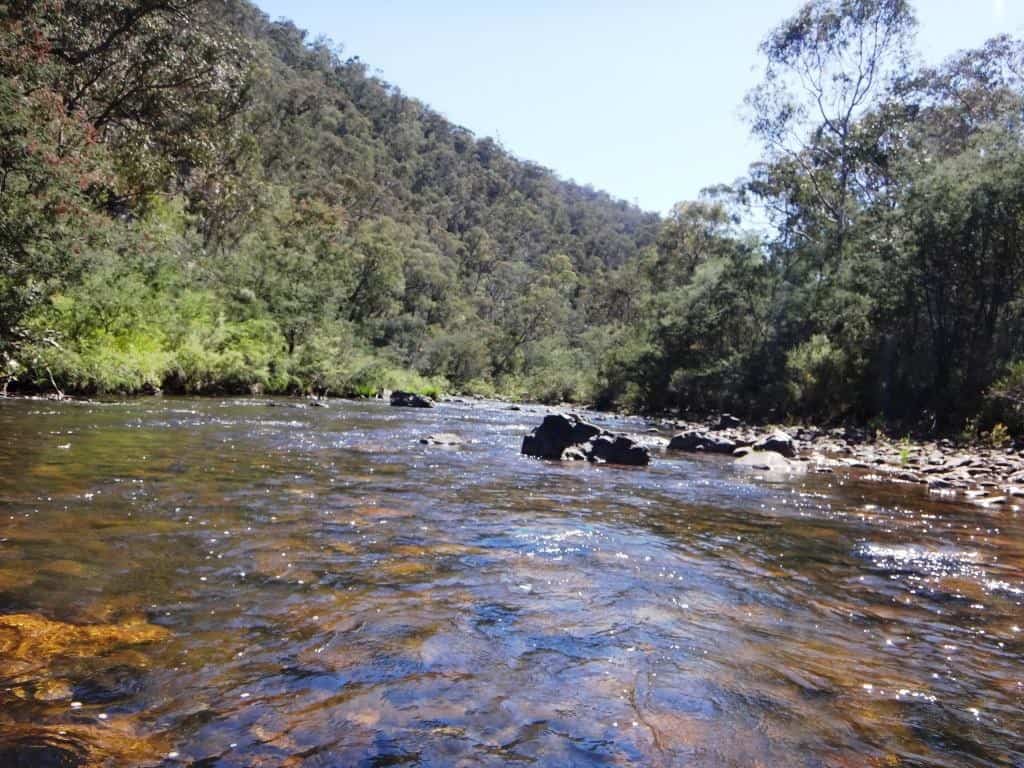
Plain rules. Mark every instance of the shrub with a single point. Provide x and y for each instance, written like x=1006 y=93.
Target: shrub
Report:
x=459 y=356
x=1004 y=403
x=372 y=376
x=999 y=436
x=230 y=357
x=816 y=376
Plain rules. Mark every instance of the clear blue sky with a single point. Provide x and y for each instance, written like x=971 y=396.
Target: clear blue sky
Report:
x=643 y=102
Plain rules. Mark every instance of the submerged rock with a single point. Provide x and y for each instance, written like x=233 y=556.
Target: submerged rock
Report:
x=116 y=741
x=33 y=638
x=109 y=685
x=769 y=461
x=442 y=438
x=42 y=750
x=401 y=399
x=569 y=438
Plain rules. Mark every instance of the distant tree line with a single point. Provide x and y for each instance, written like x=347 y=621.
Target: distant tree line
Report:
x=198 y=199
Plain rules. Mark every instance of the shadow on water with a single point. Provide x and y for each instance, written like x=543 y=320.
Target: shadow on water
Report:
x=223 y=583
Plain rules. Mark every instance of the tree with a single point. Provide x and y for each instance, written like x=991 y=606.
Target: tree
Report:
x=51 y=161
x=826 y=67
x=296 y=265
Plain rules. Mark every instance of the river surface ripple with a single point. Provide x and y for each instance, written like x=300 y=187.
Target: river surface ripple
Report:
x=271 y=586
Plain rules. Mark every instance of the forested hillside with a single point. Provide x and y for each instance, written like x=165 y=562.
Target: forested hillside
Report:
x=198 y=199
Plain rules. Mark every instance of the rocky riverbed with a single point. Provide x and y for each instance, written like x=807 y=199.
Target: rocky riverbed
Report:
x=981 y=474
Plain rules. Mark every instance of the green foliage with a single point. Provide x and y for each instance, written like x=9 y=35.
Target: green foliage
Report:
x=817 y=375
x=196 y=198
x=223 y=356
x=904 y=450
x=51 y=163
x=1004 y=402
x=999 y=436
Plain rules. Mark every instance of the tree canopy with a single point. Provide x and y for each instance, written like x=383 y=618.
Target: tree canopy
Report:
x=196 y=198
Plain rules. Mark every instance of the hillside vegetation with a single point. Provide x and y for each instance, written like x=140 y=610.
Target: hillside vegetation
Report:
x=198 y=199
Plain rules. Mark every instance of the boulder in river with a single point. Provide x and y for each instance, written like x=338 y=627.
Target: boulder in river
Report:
x=442 y=438
x=568 y=437
x=402 y=399
x=556 y=433
x=769 y=461
x=779 y=442
x=695 y=440
x=619 y=449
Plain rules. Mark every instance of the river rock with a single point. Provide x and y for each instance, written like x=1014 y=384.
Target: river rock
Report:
x=778 y=442
x=769 y=461
x=556 y=433
x=572 y=453
x=401 y=399
x=618 y=449
x=728 y=421
x=990 y=501
x=694 y=440
x=570 y=438
x=442 y=438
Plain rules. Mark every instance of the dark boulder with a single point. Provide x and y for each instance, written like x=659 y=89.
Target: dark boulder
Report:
x=779 y=442
x=410 y=400
x=556 y=433
x=618 y=449
x=694 y=441
x=728 y=421
x=569 y=438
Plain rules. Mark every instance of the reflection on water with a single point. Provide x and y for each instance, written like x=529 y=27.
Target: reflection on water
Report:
x=225 y=584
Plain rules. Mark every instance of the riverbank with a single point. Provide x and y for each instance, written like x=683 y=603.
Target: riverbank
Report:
x=978 y=473
x=981 y=474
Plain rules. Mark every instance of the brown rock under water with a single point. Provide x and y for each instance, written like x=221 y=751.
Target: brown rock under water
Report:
x=30 y=637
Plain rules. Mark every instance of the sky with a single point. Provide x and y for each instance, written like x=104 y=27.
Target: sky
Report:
x=644 y=102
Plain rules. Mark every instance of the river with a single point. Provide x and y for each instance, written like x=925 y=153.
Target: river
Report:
x=223 y=583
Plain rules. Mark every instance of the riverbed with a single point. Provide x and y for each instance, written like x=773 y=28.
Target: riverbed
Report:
x=254 y=582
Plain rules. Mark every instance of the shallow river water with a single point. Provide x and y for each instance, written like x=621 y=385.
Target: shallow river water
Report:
x=222 y=583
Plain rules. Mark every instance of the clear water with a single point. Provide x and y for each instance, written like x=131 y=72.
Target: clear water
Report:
x=282 y=586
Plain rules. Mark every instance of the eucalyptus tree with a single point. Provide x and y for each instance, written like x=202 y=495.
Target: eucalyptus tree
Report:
x=826 y=68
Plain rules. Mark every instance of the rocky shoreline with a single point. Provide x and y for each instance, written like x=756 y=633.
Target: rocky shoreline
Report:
x=981 y=474
x=975 y=473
